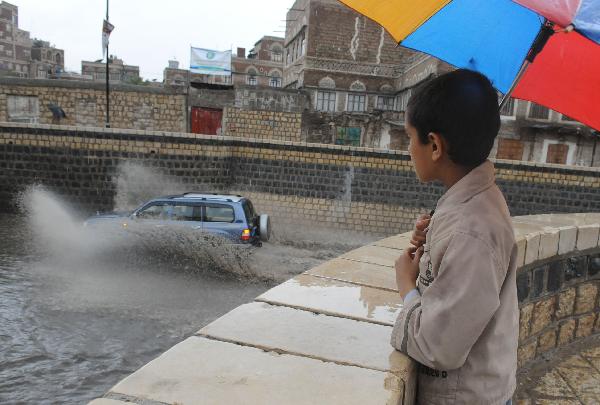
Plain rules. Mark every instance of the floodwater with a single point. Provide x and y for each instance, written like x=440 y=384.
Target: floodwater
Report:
x=81 y=309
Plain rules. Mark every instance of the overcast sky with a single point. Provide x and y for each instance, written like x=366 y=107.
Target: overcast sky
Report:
x=150 y=32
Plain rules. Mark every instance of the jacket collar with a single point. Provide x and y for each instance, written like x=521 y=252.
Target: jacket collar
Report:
x=477 y=180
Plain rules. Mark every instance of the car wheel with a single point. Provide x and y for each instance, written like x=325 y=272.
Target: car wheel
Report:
x=265 y=227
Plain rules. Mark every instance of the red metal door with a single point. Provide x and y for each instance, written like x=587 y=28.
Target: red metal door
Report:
x=206 y=121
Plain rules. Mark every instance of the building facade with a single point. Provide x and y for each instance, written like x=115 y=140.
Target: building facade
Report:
x=22 y=56
x=119 y=72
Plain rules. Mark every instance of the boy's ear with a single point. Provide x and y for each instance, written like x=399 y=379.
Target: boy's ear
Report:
x=437 y=146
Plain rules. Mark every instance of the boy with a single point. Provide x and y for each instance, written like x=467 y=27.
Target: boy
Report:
x=461 y=322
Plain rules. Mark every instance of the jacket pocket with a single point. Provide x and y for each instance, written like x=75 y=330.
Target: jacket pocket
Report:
x=436 y=386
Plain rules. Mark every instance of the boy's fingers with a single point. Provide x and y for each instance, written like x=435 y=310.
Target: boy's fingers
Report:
x=418 y=254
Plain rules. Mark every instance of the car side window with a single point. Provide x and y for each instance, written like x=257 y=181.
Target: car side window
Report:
x=219 y=213
x=186 y=212
x=154 y=211
x=248 y=211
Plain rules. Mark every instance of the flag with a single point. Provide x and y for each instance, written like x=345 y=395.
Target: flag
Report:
x=209 y=62
x=106 y=30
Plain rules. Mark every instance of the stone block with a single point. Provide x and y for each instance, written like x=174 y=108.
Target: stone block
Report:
x=521 y=246
x=585 y=325
x=566 y=332
x=549 y=240
x=575 y=268
x=288 y=330
x=555 y=276
x=214 y=372
x=547 y=341
x=594 y=266
x=532 y=248
x=587 y=236
x=586 y=298
x=539 y=281
x=567 y=239
x=543 y=313
x=526 y=353
x=525 y=321
x=337 y=298
x=523 y=285
x=372 y=275
x=566 y=303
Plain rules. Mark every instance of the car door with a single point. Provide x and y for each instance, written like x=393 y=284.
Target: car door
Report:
x=219 y=219
x=188 y=214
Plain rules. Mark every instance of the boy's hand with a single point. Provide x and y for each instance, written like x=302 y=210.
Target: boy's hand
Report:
x=421 y=227
x=407 y=269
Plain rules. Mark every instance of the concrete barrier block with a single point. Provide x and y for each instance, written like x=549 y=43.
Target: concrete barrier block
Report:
x=533 y=247
x=567 y=239
x=549 y=241
x=521 y=246
x=374 y=255
x=587 y=236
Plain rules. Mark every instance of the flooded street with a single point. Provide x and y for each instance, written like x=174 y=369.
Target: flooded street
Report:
x=81 y=310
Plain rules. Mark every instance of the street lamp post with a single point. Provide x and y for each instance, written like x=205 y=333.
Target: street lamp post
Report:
x=107 y=78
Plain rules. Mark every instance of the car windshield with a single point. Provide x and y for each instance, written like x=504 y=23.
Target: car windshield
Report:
x=154 y=211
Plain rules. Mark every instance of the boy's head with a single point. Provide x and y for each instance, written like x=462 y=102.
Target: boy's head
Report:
x=457 y=111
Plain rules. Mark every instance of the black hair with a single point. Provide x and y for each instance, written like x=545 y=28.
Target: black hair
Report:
x=462 y=107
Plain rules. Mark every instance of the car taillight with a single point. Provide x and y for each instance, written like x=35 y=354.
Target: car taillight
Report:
x=246 y=235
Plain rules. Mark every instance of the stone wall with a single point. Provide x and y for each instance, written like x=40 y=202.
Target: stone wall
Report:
x=84 y=103
x=262 y=124
x=342 y=187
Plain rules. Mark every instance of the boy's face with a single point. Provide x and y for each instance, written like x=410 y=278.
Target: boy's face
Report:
x=420 y=155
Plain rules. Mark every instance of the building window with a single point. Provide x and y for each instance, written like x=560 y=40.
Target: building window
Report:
x=508 y=109
x=538 y=112
x=385 y=103
x=275 y=82
x=403 y=100
x=303 y=44
x=326 y=101
x=557 y=153
x=348 y=136
x=251 y=80
x=356 y=102
x=23 y=109
x=511 y=149
x=276 y=56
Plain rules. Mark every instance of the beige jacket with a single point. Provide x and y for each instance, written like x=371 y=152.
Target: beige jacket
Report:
x=463 y=328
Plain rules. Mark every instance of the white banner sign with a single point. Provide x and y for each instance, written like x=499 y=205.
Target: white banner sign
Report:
x=209 y=62
x=106 y=30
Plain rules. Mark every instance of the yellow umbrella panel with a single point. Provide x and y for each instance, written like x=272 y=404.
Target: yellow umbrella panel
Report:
x=399 y=17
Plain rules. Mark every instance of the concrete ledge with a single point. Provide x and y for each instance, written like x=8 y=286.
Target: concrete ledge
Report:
x=323 y=336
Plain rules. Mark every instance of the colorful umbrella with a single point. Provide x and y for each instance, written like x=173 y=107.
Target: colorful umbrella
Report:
x=545 y=51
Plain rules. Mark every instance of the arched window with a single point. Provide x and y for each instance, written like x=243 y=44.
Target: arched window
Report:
x=251 y=77
x=275 y=80
x=276 y=53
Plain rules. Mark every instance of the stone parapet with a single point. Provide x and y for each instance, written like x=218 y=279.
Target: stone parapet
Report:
x=343 y=187
x=323 y=336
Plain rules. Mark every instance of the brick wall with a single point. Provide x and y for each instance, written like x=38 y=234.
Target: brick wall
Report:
x=84 y=103
x=342 y=187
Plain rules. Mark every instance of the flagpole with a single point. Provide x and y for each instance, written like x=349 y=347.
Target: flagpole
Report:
x=107 y=78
